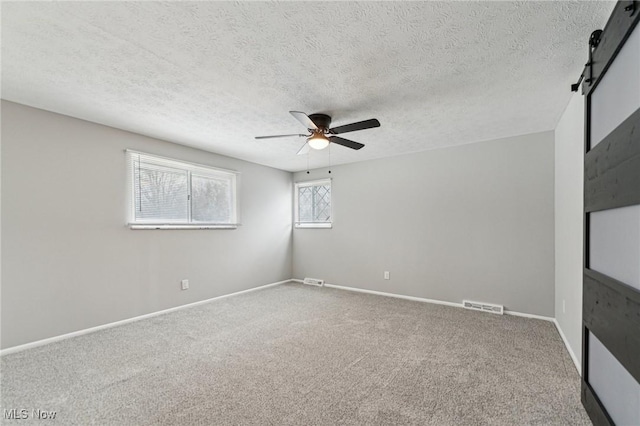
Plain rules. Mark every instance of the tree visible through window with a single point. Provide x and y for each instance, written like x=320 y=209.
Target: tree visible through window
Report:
x=168 y=192
x=211 y=199
x=160 y=192
x=313 y=204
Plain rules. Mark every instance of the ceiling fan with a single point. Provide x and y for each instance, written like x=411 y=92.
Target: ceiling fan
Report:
x=320 y=135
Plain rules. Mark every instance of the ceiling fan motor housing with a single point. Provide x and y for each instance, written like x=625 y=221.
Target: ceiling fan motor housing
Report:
x=323 y=121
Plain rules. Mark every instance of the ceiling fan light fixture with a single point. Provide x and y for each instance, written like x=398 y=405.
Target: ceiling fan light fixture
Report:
x=318 y=141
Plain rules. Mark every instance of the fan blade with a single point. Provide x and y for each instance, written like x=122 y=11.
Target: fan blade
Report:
x=304 y=149
x=278 y=136
x=345 y=142
x=360 y=125
x=304 y=119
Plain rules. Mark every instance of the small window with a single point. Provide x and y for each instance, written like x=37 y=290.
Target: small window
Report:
x=170 y=194
x=313 y=204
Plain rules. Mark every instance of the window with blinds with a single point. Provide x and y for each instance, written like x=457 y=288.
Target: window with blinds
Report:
x=171 y=194
x=313 y=204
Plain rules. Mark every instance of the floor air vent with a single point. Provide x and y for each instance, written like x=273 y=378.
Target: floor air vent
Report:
x=313 y=281
x=485 y=307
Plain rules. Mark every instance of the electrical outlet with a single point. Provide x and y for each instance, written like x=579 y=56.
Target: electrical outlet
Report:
x=563 y=307
x=185 y=284
x=386 y=275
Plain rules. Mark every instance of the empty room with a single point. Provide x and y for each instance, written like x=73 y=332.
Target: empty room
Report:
x=319 y=213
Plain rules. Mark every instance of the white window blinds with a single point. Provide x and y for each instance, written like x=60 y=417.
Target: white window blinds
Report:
x=167 y=193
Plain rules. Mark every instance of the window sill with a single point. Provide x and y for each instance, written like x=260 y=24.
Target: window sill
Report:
x=314 y=225
x=176 y=226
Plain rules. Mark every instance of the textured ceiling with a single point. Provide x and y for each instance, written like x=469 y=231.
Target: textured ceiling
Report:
x=215 y=74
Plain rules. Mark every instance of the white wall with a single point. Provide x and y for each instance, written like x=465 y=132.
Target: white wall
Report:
x=469 y=222
x=569 y=176
x=69 y=262
x=473 y=221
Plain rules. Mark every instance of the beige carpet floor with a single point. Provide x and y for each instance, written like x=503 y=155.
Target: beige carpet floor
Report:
x=302 y=355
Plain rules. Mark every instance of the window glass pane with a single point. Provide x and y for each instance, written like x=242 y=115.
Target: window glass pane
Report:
x=314 y=203
x=160 y=193
x=618 y=93
x=614 y=243
x=322 y=203
x=305 y=204
x=211 y=199
x=618 y=391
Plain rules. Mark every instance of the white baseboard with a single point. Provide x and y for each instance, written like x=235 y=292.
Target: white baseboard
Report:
x=397 y=296
x=422 y=299
x=525 y=315
x=573 y=356
x=42 y=342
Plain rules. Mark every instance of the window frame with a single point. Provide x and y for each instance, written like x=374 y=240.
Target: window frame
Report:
x=296 y=210
x=200 y=170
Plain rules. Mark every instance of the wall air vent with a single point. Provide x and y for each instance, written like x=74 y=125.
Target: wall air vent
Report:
x=313 y=281
x=484 y=307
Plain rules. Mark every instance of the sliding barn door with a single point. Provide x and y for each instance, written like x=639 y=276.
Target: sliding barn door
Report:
x=611 y=292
